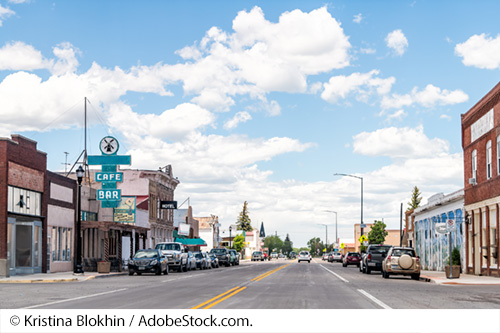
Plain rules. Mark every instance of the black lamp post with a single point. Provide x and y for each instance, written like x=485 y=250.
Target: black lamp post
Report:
x=78 y=269
x=230 y=239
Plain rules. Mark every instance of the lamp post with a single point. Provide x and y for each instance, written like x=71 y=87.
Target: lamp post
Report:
x=230 y=238
x=336 y=229
x=326 y=234
x=78 y=269
x=343 y=174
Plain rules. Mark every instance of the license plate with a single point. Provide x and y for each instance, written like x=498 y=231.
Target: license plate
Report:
x=372 y=264
x=141 y=268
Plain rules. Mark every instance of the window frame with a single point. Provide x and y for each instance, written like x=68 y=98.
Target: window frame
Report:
x=488 y=160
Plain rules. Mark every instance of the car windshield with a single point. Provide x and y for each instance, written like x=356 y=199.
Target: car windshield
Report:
x=380 y=249
x=174 y=247
x=353 y=254
x=198 y=256
x=219 y=251
x=304 y=253
x=146 y=254
x=257 y=253
x=400 y=252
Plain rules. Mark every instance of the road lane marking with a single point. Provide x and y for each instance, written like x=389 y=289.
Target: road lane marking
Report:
x=260 y=277
x=382 y=304
x=220 y=300
x=340 y=277
x=76 y=298
x=216 y=297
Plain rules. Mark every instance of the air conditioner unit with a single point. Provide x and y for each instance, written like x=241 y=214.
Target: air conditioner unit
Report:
x=472 y=181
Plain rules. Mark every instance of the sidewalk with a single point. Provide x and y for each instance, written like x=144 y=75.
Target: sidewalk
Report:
x=57 y=277
x=464 y=279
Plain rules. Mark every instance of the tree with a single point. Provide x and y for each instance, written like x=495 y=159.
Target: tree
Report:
x=377 y=233
x=287 y=245
x=238 y=243
x=244 y=223
x=273 y=243
x=315 y=244
x=416 y=198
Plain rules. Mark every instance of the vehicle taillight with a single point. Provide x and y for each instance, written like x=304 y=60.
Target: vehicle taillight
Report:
x=418 y=259
x=369 y=257
x=388 y=257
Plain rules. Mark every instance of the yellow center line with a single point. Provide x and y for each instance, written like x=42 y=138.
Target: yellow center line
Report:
x=260 y=277
x=220 y=300
x=212 y=299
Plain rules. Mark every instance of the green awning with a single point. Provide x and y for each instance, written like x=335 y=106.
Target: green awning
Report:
x=191 y=241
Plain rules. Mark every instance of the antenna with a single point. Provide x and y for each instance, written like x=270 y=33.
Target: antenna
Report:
x=84 y=152
x=65 y=161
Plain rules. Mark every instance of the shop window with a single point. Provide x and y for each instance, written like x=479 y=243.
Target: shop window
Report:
x=61 y=239
x=488 y=160
x=498 y=154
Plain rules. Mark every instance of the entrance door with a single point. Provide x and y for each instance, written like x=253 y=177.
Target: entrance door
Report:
x=477 y=245
x=25 y=247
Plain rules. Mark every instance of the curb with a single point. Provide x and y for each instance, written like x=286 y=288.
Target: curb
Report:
x=41 y=281
x=426 y=279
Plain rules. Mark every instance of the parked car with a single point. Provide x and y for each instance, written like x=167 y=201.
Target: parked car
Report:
x=176 y=255
x=372 y=260
x=235 y=257
x=201 y=261
x=292 y=255
x=335 y=256
x=215 y=261
x=304 y=256
x=148 y=261
x=191 y=261
x=208 y=260
x=274 y=255
x=325 y=256
x=223 y=255
x=257 y=256
x=401 y=261
x=351 y=258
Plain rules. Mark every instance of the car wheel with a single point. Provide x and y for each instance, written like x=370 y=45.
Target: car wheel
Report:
x=130 y=272
x=368 y=270
x=185 y=268
x=344 y=265
x=385 y=275
x=138 y=273
x=415 y=276
x=158 y=271
x=166 y=270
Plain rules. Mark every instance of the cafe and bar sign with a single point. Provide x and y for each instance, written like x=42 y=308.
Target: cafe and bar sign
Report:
x=109 y=194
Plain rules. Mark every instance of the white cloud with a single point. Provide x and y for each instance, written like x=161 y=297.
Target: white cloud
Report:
x=5 y=13
x=397 y=115
x=368 y=50
x=445 y=116
x=363 y=85
x=396 y=40
x=399 y=143
x=240 y=117
x=21 y=56
x=480 y=51
x=357 y=18
x=429 y=97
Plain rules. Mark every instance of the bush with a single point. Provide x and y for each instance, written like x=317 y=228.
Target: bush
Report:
x=455 y=256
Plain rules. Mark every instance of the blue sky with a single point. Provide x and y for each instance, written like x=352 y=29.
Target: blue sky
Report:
x=260 y=101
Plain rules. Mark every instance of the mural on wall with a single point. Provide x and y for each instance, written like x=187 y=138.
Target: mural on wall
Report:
x=433 y=247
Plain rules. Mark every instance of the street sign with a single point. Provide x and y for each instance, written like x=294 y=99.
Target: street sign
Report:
x=168 y=204
x=363 y=238
x=109 y=176
x=109 y=159
x=366 y=243
x=362 y=225
x=342 y=245
x=451 y=225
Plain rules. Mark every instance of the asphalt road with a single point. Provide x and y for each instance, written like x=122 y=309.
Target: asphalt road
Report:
x=279 y=284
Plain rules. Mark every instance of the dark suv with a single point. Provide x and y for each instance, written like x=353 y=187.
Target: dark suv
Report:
x=223 y=255
x=372 y=259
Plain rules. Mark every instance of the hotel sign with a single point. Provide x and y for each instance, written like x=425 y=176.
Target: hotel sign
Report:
x=482 y=126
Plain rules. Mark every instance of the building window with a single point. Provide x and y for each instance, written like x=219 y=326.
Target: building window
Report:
x=474 y=164
x=488 y=160
x=61 y=243
x=498 y=154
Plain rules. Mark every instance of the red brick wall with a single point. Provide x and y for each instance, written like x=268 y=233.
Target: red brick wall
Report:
x=485 y=188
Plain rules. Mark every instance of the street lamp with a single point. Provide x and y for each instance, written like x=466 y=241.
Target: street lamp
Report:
x=343 y=174
x=326 y=225
x=230 y=238
x=336 y=229
x=78 y=269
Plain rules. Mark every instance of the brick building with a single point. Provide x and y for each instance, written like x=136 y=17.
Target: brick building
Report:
x=392 y=238
x=481 y=143
x=23 y=207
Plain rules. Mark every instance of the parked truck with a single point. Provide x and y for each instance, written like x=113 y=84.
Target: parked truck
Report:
x=372 y=259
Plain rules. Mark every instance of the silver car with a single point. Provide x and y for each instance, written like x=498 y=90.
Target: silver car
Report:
x=304 y=256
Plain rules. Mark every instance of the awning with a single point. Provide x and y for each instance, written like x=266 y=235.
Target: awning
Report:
x=191 y=241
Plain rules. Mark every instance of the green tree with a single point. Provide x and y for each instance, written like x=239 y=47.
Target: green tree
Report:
x=287 y=245
x=315 y=244
x=377 y=233
x=273 y=243
x=238 y=243
x=244 y=223
x=416 y=198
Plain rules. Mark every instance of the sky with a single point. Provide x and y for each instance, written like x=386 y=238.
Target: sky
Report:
x=257 y=101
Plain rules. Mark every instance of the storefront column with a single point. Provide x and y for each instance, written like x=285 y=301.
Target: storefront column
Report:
x=106 y=246
x=488 y=250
